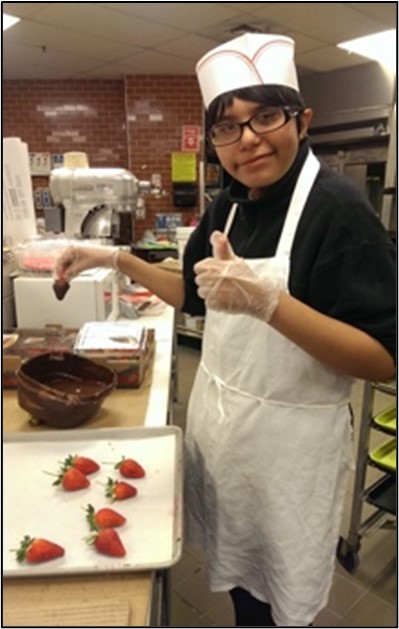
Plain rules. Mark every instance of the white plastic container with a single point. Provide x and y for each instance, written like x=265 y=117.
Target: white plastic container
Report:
x=182 y=236
x=92 y=297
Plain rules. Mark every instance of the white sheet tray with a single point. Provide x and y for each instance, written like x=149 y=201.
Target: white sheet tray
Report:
x=32 y=506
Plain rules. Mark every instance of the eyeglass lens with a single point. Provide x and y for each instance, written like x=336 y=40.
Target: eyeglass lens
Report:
x=264 y=121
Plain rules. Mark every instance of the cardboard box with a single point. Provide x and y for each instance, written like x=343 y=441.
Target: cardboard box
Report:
x=130 y=372
x=127 y=347
x=22 y=344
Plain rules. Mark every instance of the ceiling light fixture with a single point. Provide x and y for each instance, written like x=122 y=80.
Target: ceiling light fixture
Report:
x=9 y=20
x=380 y=47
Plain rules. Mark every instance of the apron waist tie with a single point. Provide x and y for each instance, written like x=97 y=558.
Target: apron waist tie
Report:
x=222 y=386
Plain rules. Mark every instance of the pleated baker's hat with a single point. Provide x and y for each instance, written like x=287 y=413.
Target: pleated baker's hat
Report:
x=248 y=60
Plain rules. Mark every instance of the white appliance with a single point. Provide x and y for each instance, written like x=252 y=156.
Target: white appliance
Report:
x=98 y=202
x=93 y=296
x=9 y=268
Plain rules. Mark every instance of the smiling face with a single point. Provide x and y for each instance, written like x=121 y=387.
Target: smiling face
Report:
x=258 y=161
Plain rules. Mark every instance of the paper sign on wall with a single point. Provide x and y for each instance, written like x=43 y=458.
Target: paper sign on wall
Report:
x=191 y=138
x=19 y=220
x=184 y=167
x=40 y=163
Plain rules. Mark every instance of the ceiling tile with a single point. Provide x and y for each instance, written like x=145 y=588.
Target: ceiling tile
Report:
x=51 y=59
x=88 y=38
x=246 y=7
x=189 y=47
x=64 y=40
x=329 y=58
x=108 y=71
x=303 y=43
x=24 y=9
x=185 y=15
x=158 y=63
x=88 y=18
x=384 y=12
x=330 y=21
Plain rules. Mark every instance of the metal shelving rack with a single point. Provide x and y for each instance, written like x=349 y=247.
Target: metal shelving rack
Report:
x=381 y=494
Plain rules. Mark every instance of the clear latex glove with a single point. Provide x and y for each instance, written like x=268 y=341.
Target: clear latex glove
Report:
x=227 y=283
x=74 y=260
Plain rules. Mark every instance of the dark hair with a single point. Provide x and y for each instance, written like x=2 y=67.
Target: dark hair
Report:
x=276 y=95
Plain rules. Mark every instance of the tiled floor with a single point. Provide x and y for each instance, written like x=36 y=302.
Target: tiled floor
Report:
x=366 y=598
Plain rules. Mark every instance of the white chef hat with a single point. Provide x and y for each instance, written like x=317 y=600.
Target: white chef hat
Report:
x=251 y=59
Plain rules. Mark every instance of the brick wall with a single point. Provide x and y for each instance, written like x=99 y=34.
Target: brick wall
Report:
x=157 y=108
x=61 y=116
x=134 y=123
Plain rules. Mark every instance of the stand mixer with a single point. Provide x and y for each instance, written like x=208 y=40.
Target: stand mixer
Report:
x=97 y=202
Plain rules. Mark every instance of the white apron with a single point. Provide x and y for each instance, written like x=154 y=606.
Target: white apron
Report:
x=268 y=445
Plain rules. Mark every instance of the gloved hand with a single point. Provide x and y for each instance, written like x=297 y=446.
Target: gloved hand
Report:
x=74 y=260
x=227 y=283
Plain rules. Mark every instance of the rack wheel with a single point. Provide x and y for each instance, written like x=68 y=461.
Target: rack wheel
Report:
x=348 y=556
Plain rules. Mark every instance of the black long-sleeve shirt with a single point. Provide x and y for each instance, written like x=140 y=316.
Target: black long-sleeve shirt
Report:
x=343 y=262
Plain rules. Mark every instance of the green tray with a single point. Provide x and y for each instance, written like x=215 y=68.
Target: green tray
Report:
x=385 y=456
x=387 y=420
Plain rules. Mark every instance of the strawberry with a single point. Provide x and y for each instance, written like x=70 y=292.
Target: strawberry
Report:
x=72 y=479
x=119 y=490
x=60 y=288
x=108 y=542
x=81 y=463
x=103 y=518
x=130 y=468
x=37 y=550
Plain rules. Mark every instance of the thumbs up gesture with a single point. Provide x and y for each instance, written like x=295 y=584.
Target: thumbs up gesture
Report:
x=227 y=283
x=221 y=248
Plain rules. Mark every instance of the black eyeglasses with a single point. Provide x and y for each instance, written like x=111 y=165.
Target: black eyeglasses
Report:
x=265 y=121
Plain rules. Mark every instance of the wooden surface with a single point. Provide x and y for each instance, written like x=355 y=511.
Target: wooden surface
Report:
x=106 y=601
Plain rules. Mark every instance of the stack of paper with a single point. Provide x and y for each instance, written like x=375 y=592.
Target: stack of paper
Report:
x=116 y=338
x=19 y=221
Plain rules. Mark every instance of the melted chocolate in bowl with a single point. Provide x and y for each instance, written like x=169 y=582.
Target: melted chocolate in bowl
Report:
x=63 y=389
x=65 y=383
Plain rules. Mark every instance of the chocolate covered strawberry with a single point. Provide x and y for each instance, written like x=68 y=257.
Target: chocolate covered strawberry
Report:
x=103 y=518
x=60 y=288
x=38 y=550
x=130 y=468
x=119 y=490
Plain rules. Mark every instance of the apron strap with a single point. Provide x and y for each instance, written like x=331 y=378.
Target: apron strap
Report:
x=302 y=190
x=230 y=219
x=299 y=197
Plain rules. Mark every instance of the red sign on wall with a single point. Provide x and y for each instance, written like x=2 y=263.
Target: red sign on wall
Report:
x=191 y=138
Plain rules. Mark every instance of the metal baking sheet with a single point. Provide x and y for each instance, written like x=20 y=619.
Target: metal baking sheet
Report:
x=385 y=456
x=387 y=420
x=152 y=534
